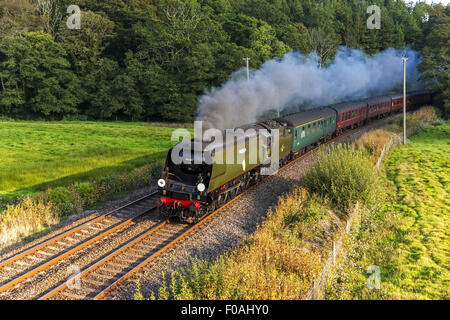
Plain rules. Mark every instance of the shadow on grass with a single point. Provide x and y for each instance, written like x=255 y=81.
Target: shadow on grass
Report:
x=94 y=174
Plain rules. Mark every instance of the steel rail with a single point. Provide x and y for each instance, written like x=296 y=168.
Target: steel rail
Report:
x=68 y=232
x=89 y=241
x=103 y=261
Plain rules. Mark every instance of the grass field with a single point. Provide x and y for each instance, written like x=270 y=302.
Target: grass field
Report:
x=37 y=155
x=409 y=237
x=421 y=174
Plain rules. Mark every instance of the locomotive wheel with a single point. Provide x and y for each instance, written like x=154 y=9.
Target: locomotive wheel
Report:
x=163 y=212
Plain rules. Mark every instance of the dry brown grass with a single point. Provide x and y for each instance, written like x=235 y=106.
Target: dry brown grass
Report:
x=374 y=142
x=420 y=119
x=279 y=261
x=21 y=220
x=415 y=122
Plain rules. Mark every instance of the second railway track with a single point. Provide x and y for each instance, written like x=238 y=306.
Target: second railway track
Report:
x=20 y=269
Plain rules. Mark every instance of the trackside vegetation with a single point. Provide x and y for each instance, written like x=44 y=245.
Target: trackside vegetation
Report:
x=286 y=253
x=43 y=210
x=400 y=227
x=50 y=170
x=409 y=238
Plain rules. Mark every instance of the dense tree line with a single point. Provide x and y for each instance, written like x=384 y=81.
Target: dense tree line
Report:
x=151 y=59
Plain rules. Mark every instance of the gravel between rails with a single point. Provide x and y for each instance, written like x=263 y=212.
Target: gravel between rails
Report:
x=228 y=228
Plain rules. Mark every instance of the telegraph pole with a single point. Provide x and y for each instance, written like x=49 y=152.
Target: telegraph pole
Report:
x=248 y=69
x=404 y=99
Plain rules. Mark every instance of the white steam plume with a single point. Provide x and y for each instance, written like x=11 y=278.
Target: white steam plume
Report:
x=298 y=80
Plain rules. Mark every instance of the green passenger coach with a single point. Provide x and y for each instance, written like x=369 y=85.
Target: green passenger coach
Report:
x=310 y=127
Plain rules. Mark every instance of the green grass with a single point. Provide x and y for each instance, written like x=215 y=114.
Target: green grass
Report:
x=409 y=237
x=420 y=173
x=36 y=155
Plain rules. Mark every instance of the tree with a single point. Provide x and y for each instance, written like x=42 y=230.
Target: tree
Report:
x=51 y=15
x=141 y=59
x=36 y=77
x=324 y=44
x=436 y=58
x=85 y=48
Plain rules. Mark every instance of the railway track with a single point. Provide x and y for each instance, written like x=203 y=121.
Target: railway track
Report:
x=21 y=267
x=108 y=271
x=98 y=279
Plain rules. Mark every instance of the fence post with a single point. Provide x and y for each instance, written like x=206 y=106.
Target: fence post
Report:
x=382 y=153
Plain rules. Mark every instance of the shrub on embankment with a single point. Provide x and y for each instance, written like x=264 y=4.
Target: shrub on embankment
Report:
x=344 y=175
x=45 y=209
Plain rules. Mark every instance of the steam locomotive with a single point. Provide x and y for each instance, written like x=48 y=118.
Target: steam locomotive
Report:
x=192 y=189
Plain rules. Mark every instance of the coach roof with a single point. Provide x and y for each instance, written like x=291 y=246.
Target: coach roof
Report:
x=379 y=99
x=343 y=106
x=299 y=118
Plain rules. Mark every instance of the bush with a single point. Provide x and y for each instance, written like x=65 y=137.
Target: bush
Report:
x=344 y=175
x=65 y=201
x=60 y=196
x=86 y=191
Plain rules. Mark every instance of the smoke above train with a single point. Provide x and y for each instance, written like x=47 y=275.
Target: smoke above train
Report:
x=298 y=81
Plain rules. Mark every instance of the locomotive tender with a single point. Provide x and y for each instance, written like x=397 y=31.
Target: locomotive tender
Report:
x=191 y=190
